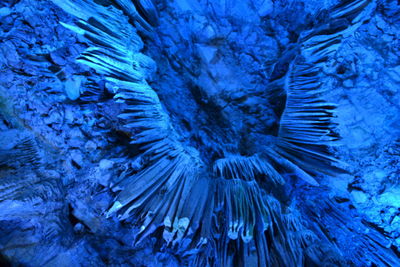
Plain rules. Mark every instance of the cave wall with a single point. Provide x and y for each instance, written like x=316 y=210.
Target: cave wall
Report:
x=62 y=144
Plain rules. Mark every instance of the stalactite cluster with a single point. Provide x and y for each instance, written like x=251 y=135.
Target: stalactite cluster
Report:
x=192 y=152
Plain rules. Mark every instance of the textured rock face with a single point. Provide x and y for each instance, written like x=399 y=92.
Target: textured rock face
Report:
x=88 y=90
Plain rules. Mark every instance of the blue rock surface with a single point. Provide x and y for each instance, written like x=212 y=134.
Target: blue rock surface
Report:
x=199 y=133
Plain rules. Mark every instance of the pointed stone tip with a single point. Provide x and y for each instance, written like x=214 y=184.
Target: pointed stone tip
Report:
x=310 y=180
x=117 y=206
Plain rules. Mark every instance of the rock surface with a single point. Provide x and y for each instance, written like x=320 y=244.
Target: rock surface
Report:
x=62 y=145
